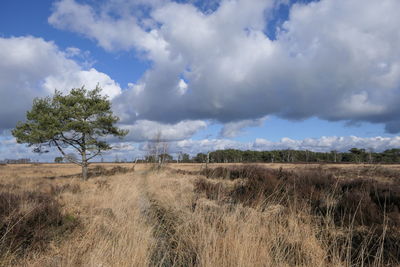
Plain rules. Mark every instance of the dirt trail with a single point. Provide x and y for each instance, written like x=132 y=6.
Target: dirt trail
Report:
x=169 y=248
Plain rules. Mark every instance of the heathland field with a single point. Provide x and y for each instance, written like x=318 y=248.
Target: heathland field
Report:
x=193 y=215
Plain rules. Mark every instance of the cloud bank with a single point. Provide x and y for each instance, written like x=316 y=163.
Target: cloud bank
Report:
x=325 y=62
x=323 y=144
x=131 y=150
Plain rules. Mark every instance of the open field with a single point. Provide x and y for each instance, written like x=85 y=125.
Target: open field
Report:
x=187 y=215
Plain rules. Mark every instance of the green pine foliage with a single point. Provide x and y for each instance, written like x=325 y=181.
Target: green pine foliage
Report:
x=78 y=120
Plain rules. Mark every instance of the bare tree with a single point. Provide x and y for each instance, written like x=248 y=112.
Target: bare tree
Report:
x=370 y=157
x=157 y=150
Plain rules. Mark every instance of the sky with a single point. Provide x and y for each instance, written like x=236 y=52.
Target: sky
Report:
x=211 y=74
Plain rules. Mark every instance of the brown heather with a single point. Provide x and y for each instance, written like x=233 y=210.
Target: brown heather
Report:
x=189 y=215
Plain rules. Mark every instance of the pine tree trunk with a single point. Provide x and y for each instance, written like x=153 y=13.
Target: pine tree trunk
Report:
x=84 y=166
x=84 y=172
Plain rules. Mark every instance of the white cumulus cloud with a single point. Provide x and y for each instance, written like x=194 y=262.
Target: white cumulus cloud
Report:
x=32 y=67
x=332 y=59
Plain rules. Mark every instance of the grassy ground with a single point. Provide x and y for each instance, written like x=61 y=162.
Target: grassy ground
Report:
x=184 y=215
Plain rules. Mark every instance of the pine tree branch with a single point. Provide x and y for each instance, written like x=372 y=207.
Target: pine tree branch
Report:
x=65 y=155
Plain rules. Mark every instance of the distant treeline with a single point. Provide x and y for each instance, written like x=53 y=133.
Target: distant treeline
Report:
x=354 y=155
x=15 y=161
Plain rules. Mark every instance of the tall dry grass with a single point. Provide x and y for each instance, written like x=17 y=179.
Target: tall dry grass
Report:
x=264 y=222
x=232 y=218
x=225 y=235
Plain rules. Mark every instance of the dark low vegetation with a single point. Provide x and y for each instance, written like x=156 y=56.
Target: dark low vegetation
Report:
x=369 y=208
x=97 y=171
x=29 y=221
x=171 y=248
x=101 y=171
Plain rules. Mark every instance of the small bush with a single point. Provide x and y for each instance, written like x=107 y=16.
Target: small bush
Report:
x=212 y=190
x=101 y=171
x=234 y=172
x=29 y=221
x=257 y=187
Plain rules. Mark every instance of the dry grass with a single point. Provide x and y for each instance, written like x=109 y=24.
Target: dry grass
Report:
x=256 y=217
x=262 y=220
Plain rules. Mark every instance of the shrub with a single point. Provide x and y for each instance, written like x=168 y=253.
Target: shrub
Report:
x=234 y=172
x=369 y=208
x=101 y=171
x=29 y=221
x=212 y=190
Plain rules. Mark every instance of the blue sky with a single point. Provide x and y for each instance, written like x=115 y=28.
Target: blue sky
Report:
x=223 y=73
x=24 y=17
